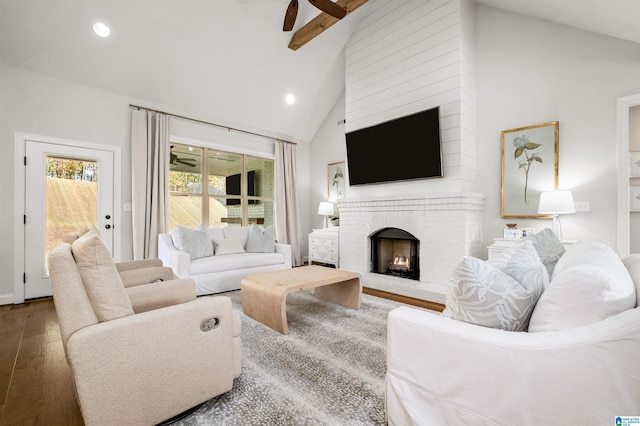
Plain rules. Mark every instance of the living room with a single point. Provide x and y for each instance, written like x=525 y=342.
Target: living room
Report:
x=511 y=71
x=577 y=77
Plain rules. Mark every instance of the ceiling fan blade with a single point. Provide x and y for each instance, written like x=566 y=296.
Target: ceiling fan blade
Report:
x=185 y=163
x=330 y=8
x=290 y=15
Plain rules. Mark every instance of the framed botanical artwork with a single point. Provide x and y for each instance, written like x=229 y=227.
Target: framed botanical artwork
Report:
x=634 y=198
x=336 y=181
x=634 y=164
x=529 y=167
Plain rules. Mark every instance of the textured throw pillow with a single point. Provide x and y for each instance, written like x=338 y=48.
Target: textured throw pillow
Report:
x=590 y=283
x=501 y=296
x=549 y=248
x=261 y=241
x=229 y=246
x=193 y=241
x=101 y=280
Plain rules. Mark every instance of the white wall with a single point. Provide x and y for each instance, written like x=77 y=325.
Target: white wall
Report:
x=37 y=104
x=327 y=146
x=406 y=57
x=529 y=72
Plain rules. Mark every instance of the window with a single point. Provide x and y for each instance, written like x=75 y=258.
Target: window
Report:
x=226 y=189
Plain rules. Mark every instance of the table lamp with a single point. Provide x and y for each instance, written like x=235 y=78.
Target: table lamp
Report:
x=326 y=209
x=556 y=203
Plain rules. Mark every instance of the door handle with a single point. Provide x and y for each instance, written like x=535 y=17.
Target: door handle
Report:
x=107 y=226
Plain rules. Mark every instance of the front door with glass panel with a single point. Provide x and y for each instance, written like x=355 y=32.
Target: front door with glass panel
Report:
x=67 y=188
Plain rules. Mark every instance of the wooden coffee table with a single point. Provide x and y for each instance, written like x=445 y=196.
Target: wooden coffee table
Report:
x=264 y=295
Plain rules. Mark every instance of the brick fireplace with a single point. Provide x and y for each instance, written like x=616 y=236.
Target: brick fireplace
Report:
x=447 y=227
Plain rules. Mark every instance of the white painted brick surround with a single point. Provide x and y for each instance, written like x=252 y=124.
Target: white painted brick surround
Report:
x=448 y=226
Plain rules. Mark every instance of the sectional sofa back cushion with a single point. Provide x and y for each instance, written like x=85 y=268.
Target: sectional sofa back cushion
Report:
x=195 y=242
x=497 y=294
x=100 y=277
x=589 y=283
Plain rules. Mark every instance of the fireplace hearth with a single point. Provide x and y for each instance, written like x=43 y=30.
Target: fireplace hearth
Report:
x=395 y=252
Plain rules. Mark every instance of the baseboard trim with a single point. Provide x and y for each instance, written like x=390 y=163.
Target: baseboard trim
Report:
x=6 y=299
x=404 y=299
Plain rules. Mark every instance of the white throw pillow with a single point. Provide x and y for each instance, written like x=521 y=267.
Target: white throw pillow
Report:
x=237 y=232
x=501 y=296
x=589 y=283
x=261 y=241
x=193 y=241
x=229 y=246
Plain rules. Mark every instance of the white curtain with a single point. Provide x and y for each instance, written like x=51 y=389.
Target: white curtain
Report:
x=287 y=212
x=149 y=180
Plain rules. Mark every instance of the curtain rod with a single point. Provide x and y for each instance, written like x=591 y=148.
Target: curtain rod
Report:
x=210 y=124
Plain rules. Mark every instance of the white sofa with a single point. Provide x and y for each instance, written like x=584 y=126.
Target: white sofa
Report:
x=443 y=371
x=221 y=272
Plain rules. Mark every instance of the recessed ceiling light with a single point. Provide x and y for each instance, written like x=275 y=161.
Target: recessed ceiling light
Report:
x=101 y=29
x=290 y=99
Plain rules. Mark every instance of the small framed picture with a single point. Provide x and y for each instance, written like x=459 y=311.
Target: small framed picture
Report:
x=336 y=182
x=634 y=164
x=634 y=198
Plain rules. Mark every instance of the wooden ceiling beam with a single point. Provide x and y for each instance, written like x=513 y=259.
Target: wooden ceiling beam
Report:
x=320 y=24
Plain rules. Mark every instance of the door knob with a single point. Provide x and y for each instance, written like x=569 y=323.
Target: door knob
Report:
x=107 y=226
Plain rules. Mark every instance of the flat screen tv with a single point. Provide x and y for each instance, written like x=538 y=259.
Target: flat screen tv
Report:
x=233 y=187
x=404 y=148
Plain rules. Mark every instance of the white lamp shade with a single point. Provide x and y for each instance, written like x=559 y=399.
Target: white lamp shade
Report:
x=556 y=202
x=326 y=208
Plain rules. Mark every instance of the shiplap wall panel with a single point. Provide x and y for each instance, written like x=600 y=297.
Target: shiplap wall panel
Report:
x=407 y=56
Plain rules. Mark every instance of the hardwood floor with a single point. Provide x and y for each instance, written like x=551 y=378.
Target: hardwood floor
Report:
x=36 y=387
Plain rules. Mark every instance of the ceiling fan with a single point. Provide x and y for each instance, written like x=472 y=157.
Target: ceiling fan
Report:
x=327 y=6
x=175 y=160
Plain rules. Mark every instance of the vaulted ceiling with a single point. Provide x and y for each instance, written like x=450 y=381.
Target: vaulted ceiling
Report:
x=225 y=61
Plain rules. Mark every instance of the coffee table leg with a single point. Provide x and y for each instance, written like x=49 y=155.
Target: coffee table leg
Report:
x=347 y=293
x=264 y=305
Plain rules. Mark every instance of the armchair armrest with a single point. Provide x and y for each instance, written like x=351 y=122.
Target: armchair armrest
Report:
x=286 y=250
x=158 y=295
x=134 y=277
x=450 y=372
x=163 y=354
x=177 y=260
x=137 y=264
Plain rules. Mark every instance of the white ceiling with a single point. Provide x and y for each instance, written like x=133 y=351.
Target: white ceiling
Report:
x=226 y=61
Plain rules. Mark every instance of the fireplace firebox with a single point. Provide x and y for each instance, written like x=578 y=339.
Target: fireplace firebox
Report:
x=395 y=252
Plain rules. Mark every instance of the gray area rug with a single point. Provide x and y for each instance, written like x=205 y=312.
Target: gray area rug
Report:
x=329 y=370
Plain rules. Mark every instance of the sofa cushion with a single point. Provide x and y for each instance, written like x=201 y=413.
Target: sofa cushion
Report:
x=192 y=241
x=216 y=233
x=233 y=262
x=261 y=241
x=549 y=248
x=101 y=279
x=228 y=246
x=237 y=232
x=500 y=295
x=589 y=284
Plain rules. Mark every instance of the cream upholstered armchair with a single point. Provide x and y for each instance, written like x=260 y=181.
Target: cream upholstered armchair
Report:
x=143 y=354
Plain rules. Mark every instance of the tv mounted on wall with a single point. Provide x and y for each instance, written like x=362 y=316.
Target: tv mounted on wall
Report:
x=404 y=148
x=233 y=187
